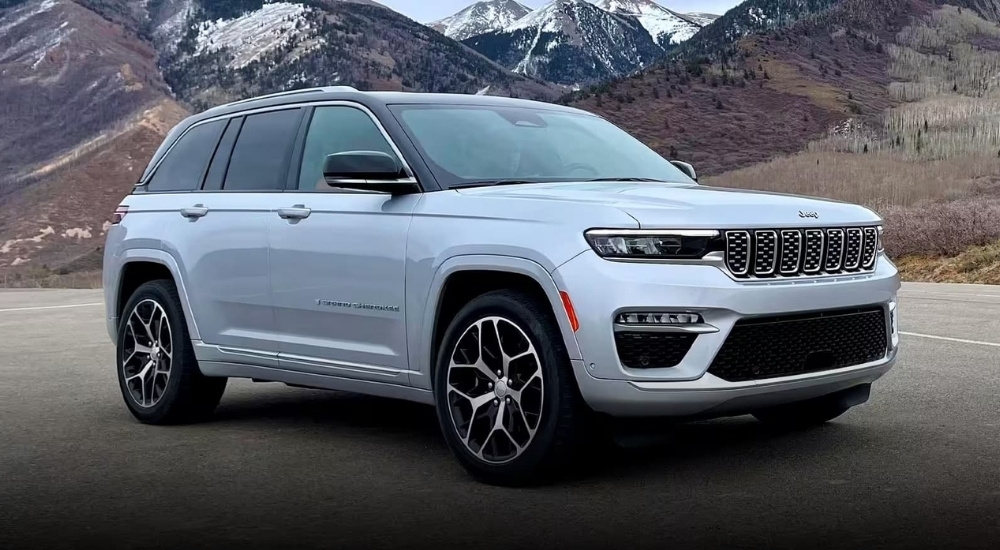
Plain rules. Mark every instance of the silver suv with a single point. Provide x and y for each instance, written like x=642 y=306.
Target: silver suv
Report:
x=526 y=268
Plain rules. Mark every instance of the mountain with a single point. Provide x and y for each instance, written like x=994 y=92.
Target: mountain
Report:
x=266 y=47
x=481 y=18
x=754 y=17
x=570 y=42
x=764 y=80
x=67 y=76
x=83 y=106
x=700 y=18
x=665 y=26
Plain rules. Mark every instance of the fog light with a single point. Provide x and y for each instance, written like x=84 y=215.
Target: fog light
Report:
x=640 y=318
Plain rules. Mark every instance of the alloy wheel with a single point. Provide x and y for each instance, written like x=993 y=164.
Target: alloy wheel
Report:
x=147 y=353
x=495 y=390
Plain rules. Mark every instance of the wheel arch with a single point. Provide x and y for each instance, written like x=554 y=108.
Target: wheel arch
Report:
x=139 y=266
x=461 y=278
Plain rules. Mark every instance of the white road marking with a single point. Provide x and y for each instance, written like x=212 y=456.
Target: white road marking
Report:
x=51 y=307
x=959 y=340
x=915 y=294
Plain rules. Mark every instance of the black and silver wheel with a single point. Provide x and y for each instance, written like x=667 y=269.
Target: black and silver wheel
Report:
x=504 y=389
x=157 y=371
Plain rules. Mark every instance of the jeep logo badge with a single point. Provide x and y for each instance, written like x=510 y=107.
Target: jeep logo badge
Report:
x=808 y=214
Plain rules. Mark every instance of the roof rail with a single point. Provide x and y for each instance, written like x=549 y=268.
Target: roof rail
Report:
x=278 y=94
x=293 y=92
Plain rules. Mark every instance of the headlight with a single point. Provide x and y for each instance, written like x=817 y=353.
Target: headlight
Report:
x=680 y=244
x=881 y=241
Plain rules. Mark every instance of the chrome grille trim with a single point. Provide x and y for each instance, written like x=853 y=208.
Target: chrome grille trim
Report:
x=869 y=250
x=815 y=243
x=738 y=252
x=852 y=248
x=765 y=252
x=834 y=250
x=808 y=252
x=791 y=251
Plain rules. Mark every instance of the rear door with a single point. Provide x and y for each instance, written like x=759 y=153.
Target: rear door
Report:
x=338 y=259
x=221 y=237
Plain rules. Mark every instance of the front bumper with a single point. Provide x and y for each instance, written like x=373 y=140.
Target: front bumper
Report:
x=600 y=289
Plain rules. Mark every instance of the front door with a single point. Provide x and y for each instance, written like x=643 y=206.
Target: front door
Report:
x=338 y=261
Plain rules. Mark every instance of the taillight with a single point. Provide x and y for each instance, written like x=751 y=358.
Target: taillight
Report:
x=119 y=214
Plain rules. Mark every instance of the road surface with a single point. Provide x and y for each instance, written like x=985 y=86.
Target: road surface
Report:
x=918 y=466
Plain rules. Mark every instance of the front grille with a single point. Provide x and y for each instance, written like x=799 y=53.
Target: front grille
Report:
x=652 y=350
x=797 y=344
x=770 y=253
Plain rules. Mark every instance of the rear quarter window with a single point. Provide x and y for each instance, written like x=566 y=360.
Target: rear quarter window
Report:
x=184 y=165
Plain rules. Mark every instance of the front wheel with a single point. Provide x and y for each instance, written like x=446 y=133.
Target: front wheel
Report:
x=157 y=370
x=504 y=389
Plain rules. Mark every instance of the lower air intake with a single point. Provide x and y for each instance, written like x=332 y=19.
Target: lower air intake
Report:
x=773 y=347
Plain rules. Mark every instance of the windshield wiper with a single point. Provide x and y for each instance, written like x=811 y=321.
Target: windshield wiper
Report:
x=486 y=183
x=628 y=179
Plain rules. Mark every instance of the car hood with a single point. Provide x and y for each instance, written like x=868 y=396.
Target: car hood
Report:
x=678 y=205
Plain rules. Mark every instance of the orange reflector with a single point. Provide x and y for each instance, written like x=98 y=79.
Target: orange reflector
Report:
x=570 y=312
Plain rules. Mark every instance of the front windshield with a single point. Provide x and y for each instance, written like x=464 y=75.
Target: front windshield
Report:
x=471 y=144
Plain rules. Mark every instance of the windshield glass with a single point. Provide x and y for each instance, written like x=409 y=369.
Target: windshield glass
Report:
x=469 y=144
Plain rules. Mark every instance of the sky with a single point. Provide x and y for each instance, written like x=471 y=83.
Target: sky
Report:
x=432 y=10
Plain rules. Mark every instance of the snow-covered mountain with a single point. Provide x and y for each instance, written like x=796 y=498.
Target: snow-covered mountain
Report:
x=570 y=42
x=665 y=26
x=481 y=18
x=701 y=18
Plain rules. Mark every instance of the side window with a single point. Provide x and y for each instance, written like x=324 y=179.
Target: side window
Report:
x=184 y=166
x=260 y=159
x=217 y=169
x=337 y=130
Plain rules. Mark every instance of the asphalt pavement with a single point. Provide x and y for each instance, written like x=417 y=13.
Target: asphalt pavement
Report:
x=917 y=466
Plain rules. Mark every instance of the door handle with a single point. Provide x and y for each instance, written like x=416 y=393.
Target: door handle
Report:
x=297 y=212
x=194 y=212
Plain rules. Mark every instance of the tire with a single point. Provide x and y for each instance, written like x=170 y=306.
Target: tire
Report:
x=177 y=392
x=551 y=403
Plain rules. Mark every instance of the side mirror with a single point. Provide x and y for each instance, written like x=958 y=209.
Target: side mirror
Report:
x=686 y=168
x=367 y=171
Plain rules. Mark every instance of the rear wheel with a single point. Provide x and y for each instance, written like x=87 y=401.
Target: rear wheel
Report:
x=157 y=371
x=504 y=389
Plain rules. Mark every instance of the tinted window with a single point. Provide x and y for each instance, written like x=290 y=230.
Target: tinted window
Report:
x=184 y=166
x=472 y=143
x=217 y=169
x=337 y=130
x=260 y=158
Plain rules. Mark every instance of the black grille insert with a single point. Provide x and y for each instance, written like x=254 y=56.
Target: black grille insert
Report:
x=652 y=350
x=798 y=344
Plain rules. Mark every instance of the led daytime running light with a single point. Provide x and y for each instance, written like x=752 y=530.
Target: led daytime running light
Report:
x=644 y=318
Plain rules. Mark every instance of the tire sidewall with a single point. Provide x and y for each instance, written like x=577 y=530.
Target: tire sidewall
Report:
x=550 y=353
x=157 y=292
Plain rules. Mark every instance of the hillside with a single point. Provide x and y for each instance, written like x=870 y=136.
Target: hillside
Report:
x=778 y=90
x=57 y=94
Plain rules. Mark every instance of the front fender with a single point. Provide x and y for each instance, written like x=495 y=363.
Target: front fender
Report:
x=422 y=308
